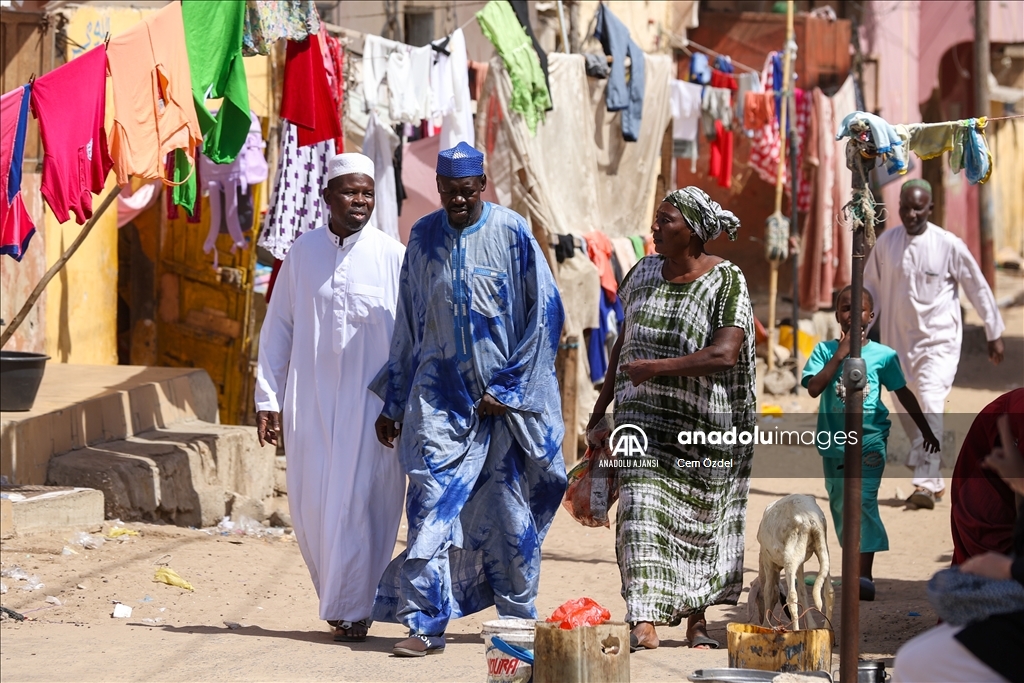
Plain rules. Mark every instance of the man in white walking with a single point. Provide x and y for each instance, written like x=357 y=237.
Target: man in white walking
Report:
x=914 y=273
x=326 y=335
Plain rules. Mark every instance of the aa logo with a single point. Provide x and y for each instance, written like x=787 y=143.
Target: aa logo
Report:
x=628 y=441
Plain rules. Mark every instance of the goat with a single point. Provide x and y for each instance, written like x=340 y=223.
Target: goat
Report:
x=792 y=529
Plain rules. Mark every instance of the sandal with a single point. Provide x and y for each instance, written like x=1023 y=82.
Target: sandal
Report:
x=350 y=631
x=635 y=643
x=697 y=634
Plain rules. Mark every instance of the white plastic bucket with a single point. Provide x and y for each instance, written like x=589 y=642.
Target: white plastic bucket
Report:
x=503 y=668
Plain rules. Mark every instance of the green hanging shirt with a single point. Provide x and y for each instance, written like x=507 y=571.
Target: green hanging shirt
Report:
x=530 y=96
x=213 y=37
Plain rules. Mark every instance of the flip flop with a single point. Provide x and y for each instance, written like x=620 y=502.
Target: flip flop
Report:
x=344 y=634
x=705 y=641
x=634 y=643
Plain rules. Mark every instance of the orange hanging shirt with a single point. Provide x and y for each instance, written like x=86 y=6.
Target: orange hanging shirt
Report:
x=155 y=112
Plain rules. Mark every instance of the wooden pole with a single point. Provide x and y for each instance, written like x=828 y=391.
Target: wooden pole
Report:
x=773 y=281
x=567 y=371
x=983 y=107
x=18 y=319
x=561 y=27
x=854 y=376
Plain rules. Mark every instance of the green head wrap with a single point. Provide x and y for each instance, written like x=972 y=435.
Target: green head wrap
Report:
x=706 y=217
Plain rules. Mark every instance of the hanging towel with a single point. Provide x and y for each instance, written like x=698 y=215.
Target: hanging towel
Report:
x=76 y=160
x=267 y=21
x=620 y=96
x=530 y=95
x=930 y=140
x=154 y=111
x=306 y=101
x=716 y=106
x=296 y=206
x=685 y=102
x=747 y=83
x=16 y=227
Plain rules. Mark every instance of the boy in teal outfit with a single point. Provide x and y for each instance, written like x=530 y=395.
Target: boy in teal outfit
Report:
x=823 y=377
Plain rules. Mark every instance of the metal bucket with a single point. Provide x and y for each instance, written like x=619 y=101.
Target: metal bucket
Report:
x=21 y=373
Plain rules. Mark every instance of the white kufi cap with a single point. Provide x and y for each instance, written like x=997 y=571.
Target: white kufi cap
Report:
x=349 y=162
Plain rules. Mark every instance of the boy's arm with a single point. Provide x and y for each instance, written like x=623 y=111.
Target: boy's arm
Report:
x=909 y=401
x=820 y=381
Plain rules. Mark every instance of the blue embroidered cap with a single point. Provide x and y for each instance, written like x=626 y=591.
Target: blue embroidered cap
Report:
x=461 y=161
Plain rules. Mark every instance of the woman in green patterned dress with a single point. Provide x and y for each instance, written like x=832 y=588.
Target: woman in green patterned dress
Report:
x=684 y=365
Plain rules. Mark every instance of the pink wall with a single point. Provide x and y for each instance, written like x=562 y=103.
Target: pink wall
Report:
x=944 y=24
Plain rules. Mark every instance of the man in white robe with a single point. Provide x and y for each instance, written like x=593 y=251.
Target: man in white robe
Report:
x=326 y=334
x=914 y=273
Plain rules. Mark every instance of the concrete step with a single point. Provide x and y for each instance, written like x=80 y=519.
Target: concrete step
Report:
x=33 y=509
x=83 y=405
x=189 y=474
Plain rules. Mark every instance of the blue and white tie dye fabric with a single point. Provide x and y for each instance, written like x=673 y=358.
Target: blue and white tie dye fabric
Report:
x=478 y=312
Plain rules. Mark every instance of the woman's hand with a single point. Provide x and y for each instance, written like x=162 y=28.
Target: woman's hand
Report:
x=1006 y=460
x=640 y=371
x=989 y=565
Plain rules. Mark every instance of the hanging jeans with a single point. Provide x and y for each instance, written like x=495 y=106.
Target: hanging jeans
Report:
x=620 y=96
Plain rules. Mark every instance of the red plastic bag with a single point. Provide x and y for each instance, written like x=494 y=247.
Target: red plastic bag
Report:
x=579 y=612
x=591 y=491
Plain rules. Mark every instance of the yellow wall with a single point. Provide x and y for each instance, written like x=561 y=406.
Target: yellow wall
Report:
x=646 y=20
x=81 y=311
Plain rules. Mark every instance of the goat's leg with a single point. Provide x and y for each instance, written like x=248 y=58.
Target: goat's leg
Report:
x=791 y=597
x=801 y=586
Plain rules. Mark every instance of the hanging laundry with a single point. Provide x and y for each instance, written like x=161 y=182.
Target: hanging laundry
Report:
x=296 y=205
x=758 y=110
x=195 y=216
x=600 y=250
x=596 y=65
x=306 y=99
x=477 y=78
x=249 y=168
x=625 y=254
x=268 y=21
x=720 y=167
x=213 y=34
x=409 y=83
x=456 y=110
x=335 y=67
x=16 y=227
x=887 y=140
x=930 y=140
x=610 y=317
x=970 y=151
x=380 y=143
x=685 y=103
x=638 y=246
x=620 y=96
x=965 y=139
x=804 y=105
x=530 y=95
x=565 y=247
x=778 y=82
x=522 y=11
x=136 y=197
x=154 y=111
x=76 y=161
x=720 y=79
x=747 y=82
x=716 y=105
x=700 y=70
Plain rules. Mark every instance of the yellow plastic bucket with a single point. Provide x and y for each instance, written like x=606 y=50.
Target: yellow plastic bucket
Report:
x=805 y=342
x=756 y=647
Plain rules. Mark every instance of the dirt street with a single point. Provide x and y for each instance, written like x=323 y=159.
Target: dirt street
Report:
x=261 y=586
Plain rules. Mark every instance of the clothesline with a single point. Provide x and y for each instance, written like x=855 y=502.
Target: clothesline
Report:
x=684 y=44
x=1004 y=118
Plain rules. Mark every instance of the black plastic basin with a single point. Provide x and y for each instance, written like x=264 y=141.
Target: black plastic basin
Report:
x=21 y=373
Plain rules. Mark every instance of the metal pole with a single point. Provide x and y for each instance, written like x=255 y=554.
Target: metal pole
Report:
x=983 y=107
x=854 y=375
x=561 y=27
